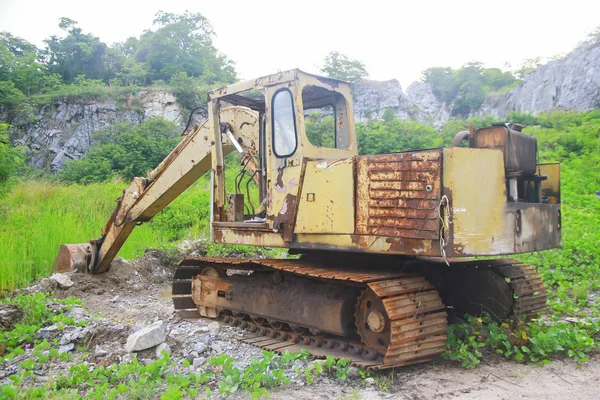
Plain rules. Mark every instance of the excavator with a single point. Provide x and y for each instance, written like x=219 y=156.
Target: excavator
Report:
x=383 y=249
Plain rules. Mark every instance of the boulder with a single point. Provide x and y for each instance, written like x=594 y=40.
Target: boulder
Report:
x=10 y=314
x=63 y=281
x=145 y=338
x=121 y=268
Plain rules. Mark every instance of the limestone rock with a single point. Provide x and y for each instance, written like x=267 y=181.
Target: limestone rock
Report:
x=64 y=130
x=10 y=314
x=63 y=280
x=213 y=328
x=162 y=347
x=372 y=98
x=147 y=337
x=121 y=268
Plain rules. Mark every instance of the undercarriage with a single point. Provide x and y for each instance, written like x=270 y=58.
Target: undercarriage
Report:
x=380 y=314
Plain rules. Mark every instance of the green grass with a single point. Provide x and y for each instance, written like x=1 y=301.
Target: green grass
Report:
x=37 y=217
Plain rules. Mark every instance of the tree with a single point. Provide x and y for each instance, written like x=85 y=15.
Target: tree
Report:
x=181 y=43
x=77 y=54
x=339 y=66
x=592 y=38
x=465 y=88
x=20 y=63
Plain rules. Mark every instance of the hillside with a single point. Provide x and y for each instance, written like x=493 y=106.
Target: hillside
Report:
x=569 y=83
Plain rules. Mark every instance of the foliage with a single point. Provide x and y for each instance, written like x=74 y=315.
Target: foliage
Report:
x=181 y=43
x=36 y=314
x=376 y=137
x=320 y=129
x=37 y=217
x=162 y=378
x=76 y=54
x=592 y=37
x=340 y=66
x=11 y=158
x=78 y=65
x=124 y=149
x=536 y=341
x=9 y=94
x=465 y=88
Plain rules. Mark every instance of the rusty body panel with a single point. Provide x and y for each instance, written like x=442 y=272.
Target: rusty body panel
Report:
x=398 y=194
x=519 y=150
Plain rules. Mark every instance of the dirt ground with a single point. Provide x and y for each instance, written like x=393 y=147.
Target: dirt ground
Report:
x=138 y=294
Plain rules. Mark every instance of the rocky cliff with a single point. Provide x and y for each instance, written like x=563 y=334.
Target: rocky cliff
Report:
x=63 y=131
x=570 y=83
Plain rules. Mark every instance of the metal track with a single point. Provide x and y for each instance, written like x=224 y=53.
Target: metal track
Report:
x=528 y=289
x=399 y=316
x=413 y=318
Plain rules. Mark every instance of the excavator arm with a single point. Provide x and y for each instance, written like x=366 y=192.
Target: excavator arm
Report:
x=146 y=197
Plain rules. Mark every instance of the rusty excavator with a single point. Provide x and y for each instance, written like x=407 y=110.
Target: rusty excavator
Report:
x=379 y=241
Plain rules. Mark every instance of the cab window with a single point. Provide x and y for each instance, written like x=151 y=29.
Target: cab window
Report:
x=325 y=118
x=285 y=139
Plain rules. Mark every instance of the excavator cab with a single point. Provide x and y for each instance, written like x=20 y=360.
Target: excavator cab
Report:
x=272 y=149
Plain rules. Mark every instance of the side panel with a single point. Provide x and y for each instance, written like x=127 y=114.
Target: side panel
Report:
x=398 y=194
x=474 y=184
x=326 y=203
x=551 y=186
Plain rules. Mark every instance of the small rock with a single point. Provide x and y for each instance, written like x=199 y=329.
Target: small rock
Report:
x=147 y=337
x=77 y=312
x=9 y=315
x=114 y=299
x=47 y=285
x=160 y=348
x=190 y=357
x=47 y=332
x=202 y=329
x=216 y=348
x=370 y=381
x=200 y=348
x=198 y=362
x=99 y=351
x=127 y=358
x=353 y=372
x=213 y=328
x=63 y=281
x=65 y=348
x=121 y=268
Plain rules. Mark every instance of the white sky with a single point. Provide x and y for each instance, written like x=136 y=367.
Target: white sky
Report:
x=395 y=39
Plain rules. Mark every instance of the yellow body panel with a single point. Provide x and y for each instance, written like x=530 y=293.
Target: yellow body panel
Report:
x=326 y=202
x=475 y=187
x=551 y=186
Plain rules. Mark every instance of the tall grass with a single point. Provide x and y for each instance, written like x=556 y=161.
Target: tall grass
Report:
x=37 y=217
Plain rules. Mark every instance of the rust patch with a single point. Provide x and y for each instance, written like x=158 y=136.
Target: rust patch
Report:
x=398 y=194
x=279 y=182
x=286 y=214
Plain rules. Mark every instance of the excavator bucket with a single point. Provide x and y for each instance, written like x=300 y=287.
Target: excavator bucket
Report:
x=73 y=256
